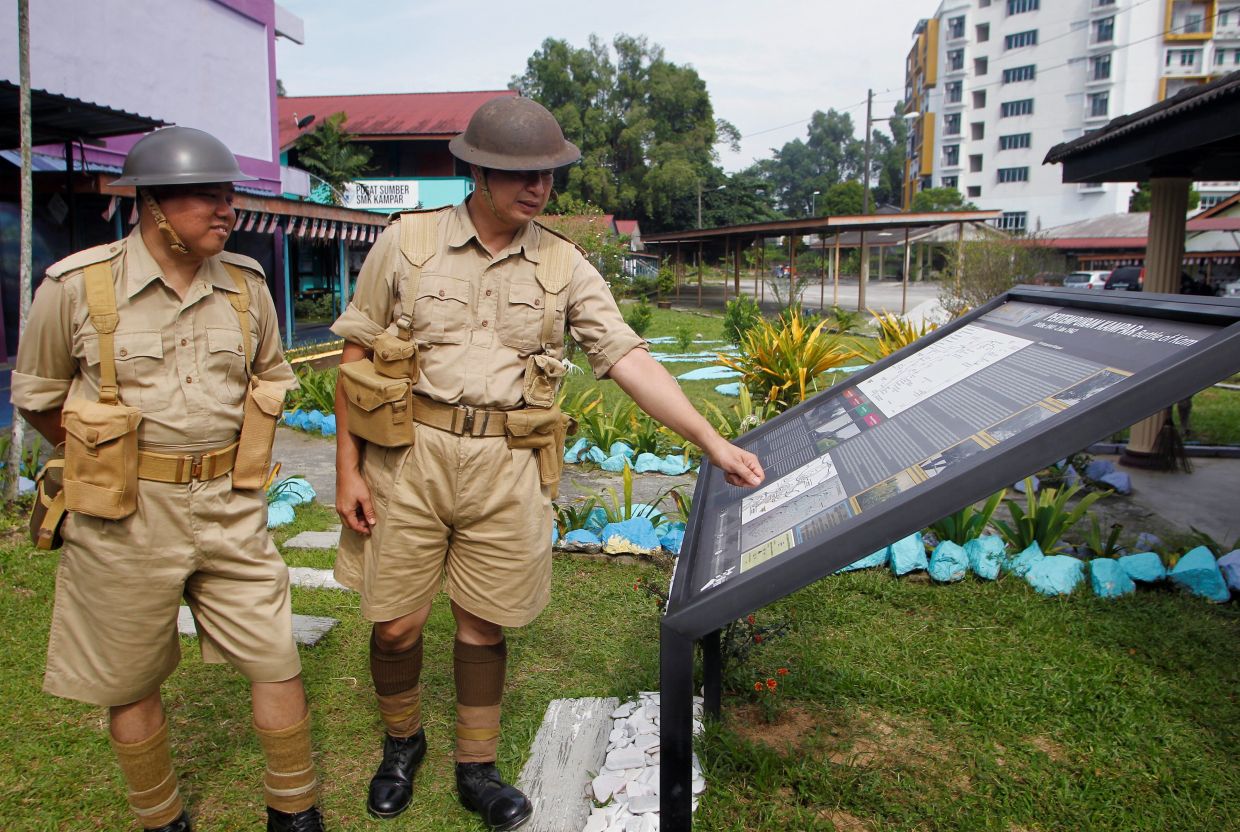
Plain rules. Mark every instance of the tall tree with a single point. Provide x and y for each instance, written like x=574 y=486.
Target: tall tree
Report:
x=328 y=152
x=645 y=126
x=938 y=200
x=831 y=153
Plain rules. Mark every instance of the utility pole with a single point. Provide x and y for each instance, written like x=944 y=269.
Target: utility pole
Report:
x=17 y=435
x=865 y=201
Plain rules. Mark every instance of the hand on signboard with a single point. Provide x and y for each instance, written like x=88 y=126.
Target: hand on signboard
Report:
x=740 y=467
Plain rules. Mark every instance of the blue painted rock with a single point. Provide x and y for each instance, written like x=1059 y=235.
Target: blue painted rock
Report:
x=1026 y=560
x=879 y=558
x=1198 y=572
x=574 y=453
x=1229 y=565
x=1108 y=578
x=1056 y=574
x=948 y=562
x=279 y=514
x=1121 y=482
x=1146 y=567
x=1147 y=542
x=986 y=554
x=614 y=463
x=621 y=448
x=1099 y=468
x=582 y=536
x=630 y=535
x=646 y=463
x=908 y=554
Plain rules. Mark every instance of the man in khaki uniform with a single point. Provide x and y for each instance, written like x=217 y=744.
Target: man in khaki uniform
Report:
x=485 y=294
x=150 y=329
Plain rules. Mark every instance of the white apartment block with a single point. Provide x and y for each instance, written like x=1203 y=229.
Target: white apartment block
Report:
x=997 y=83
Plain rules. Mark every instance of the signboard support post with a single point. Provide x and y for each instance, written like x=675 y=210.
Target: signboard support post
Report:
x=712 y=674
x=675 y=730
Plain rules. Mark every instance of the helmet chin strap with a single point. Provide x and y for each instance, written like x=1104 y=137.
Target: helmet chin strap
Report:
x=165 y=228
x=485 y=187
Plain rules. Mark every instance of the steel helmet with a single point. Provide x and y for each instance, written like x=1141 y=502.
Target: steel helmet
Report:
x=513 y=133
x=179 y=156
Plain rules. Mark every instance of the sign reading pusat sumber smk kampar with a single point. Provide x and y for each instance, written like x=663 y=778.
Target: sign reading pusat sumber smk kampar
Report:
x=1009 y=374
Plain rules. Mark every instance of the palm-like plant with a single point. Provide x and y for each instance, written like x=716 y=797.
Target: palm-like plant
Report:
x=780 y=363
x=328 y=152
x=894 y=334
x=1045 y=517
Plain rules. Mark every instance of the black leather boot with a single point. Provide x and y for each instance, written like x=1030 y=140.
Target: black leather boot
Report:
x=391 y=789
x=502 y=806
x=309 y=820
x=181 y=824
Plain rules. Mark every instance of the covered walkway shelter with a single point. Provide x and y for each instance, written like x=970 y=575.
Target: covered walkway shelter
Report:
x=833 y=233
x=1193 y=136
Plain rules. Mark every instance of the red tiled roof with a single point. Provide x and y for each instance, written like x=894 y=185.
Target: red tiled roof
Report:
x=626 y=227
x=414 y=115
x=1094 y=242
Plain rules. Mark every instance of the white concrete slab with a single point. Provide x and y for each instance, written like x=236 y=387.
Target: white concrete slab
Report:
x=308 y=630
x=567 y=751
x=314 y=540
x=310 y=578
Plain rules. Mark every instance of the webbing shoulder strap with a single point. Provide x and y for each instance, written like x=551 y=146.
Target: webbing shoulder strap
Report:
x=554 y=272
x=419 y=233
x=240 y=301
x=101 y=302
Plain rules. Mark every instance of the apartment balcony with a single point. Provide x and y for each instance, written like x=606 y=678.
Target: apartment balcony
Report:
x=1190 y=20
x=1178 y=70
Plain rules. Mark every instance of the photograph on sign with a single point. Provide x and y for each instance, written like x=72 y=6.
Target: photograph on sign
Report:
x=849 y=451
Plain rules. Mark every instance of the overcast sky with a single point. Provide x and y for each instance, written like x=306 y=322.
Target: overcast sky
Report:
x=767 y=64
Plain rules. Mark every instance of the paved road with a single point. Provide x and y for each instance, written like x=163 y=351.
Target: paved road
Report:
x=881 y=295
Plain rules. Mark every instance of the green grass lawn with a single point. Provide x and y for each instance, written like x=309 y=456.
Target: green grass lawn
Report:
x=908 y=706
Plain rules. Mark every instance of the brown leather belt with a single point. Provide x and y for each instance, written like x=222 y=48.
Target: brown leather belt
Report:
x=183 y=468
x=462 y=420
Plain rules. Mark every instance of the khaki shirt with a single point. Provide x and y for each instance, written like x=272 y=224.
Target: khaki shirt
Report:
x=478 y=318
x=181 y=361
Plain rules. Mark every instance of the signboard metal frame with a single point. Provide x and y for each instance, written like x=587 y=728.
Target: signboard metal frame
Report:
x=698 y=616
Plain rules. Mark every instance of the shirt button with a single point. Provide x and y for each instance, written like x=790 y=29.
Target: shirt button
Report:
x=184 y=342
x=124 y=352
x=484 y=324
x=488 y=292
x=240 y=348
x=441 y=292
x=538 y=301
x=189 y=379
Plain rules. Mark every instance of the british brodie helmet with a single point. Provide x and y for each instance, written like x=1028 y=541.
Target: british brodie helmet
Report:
x=179 y=156
x=513 y=133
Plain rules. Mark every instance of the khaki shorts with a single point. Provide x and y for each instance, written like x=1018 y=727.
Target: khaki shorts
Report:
x=467 y=514
x=114 y=627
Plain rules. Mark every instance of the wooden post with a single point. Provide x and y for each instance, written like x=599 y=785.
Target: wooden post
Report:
x=835 y=291
x=736 y=266
x=822 y=273
x=864 y=277
x=904 y=278
x=699 y=255
x=26 y=267
x=727 y=248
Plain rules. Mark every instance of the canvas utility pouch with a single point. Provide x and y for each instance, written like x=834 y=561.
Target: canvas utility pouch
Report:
x=264 y=402
x=394 y=357
x=542 y=380
x=379 y=407
x=543 y=430
x=48 y=511
x=101 y=458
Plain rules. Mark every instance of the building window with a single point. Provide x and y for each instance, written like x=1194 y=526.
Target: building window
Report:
x=1014 y=141
x=1023 y=107
x=983 y=32
x=954 y=91
x=1188 y=18
x=955 y=27
x=975 y=163
x=951 y=124
x=1021 y=6
x=1100 y=67
x=1210 y=200
x=1012 y=221
x=1013 y=174
x=980 y=66
x=1098 y=104
x=951 y=155
x=1104 y=30
x=974 y=191
x=955 y=59
x=983 y=4
x=979 y=99
x=978 y=130
x=1098 y=4
x=1019 y=73
x=1016 y=41
x=1229 y=17
x=950 y=181
x=1187 y=59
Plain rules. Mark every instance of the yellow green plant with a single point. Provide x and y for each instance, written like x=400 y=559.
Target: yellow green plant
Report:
x=780 y=363
x=894 y=334
x=740 y=417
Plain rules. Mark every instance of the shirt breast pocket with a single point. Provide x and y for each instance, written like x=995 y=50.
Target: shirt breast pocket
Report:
x=521 y=317
x=225 y=374
x=140 y=371
x=441 y=309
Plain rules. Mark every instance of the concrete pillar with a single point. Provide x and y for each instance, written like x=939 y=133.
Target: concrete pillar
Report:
x=1164 y=259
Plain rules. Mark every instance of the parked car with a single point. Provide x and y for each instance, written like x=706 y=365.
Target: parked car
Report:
x=1086 y=280
x=1126 y=278
x=1232 y=289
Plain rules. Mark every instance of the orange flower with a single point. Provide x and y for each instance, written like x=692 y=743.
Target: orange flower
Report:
x=757 y=686
x=783 y=671
x=757 y=639
x=771 y=684
x=751 y=620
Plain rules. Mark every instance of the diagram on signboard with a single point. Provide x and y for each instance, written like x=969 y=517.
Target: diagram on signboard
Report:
x=786 y=488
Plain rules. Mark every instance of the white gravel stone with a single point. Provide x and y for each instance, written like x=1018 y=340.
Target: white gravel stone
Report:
x=622 y=758
x=645 y=803
x=604 y=785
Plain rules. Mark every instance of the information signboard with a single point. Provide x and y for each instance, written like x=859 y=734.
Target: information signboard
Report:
x=1033 y=376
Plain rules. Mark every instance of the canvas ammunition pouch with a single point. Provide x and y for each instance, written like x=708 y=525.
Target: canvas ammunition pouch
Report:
x=264 y=402
x=380 y=408
x=542 y=429
x=101 y=438
x=101 y=458
x=48 y=511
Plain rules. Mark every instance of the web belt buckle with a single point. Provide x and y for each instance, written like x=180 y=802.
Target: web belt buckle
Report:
x=195 y=467
x=467 y=426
